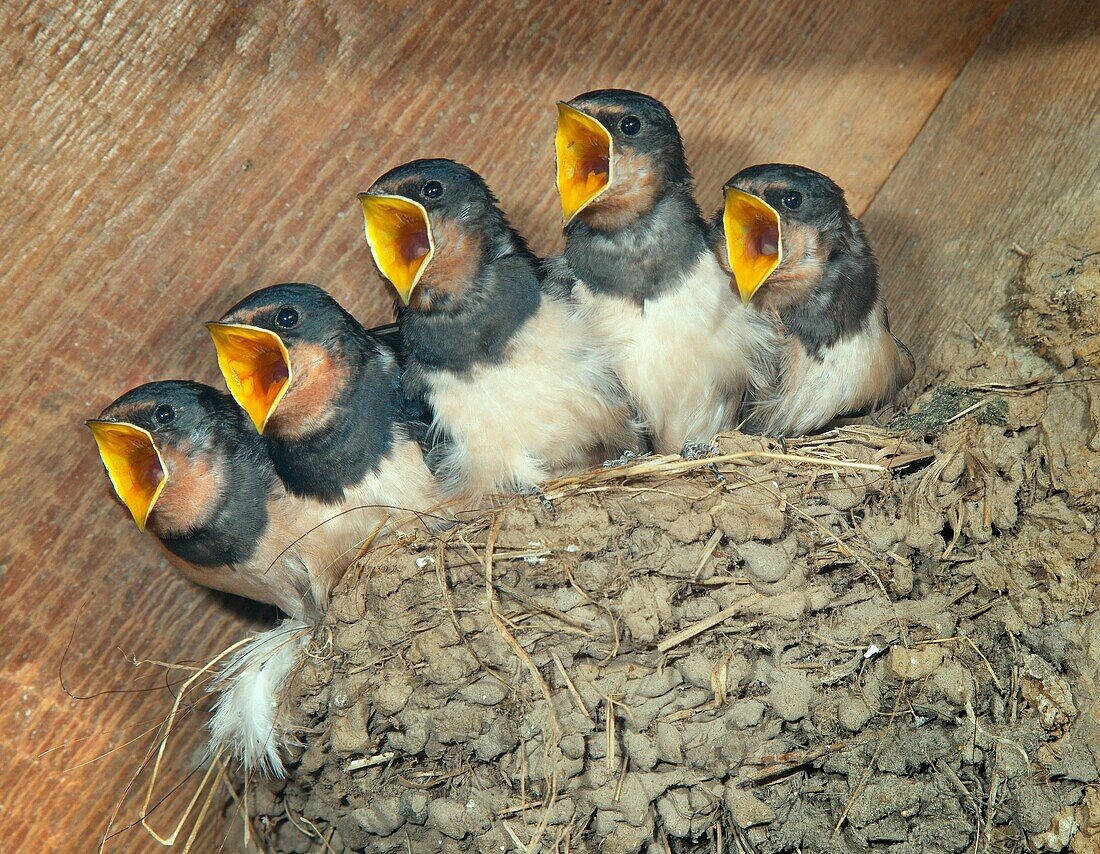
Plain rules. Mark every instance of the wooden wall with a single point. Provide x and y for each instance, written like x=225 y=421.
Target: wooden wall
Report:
x=160 y=160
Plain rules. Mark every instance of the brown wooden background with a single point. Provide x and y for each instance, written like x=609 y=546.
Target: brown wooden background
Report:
x=160 y=160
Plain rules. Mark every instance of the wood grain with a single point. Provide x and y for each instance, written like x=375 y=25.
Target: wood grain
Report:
x=1012 y=155
x=159 y=160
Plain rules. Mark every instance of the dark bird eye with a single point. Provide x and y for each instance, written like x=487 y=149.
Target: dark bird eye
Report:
x=287 y=317
x=432 y=190
x=630 y=125
x=792 y=199
x=164 y=414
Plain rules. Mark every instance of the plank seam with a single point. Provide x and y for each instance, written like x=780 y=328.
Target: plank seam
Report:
x=946 y=89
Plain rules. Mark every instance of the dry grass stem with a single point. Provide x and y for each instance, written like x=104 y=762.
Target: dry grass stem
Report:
x=710 y=622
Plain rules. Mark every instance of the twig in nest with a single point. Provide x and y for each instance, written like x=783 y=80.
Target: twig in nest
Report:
x=1030 y=386
x=979 y=729
x=708 y=551
x=622 y=779
x=371 y=761
x=719 y=679
x=544 y=609
x=973 y=646
x=310 y=830
x=519 y=845
x=685 y=714
x=439 y=778
x=369 y=540
x=902 y=460
x=518 y=808
x=819 y=461
x=169 y=722
x=707 y=623
x=570 y=686
x=609 y=731
x=991 y=804
x=785 y=763
x=674 y=464
x=955 y=781
x=601 y=607
x=157 y=723
x=552 y=718
x=444 y=589
x=874 y=756
x=841 y=546
x=241 y=800
x=843 y=671
x=201 y=817
x=719 y=581
x=972 y=408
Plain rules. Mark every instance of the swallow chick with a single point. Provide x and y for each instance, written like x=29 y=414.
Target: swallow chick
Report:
x=644 y=272
x=787 y=238
x=513 y=388
x=187 y=464
x=326 y=395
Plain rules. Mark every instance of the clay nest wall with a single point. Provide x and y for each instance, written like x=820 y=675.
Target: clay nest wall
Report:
x=875 y=640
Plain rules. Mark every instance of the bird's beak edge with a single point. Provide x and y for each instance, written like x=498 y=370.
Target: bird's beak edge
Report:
x=400 y=238
x=134 y=465
x=754 y=240
x=256 y=365
x=585 y=159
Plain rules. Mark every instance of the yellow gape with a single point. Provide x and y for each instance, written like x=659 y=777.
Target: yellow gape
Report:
x=400 y=239
x=133 y=464
x=586 y=160
x=753 y=238
x=256 y=367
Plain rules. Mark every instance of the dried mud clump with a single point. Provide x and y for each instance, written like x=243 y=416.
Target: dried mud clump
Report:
x=1058 y=302
x=868 y=642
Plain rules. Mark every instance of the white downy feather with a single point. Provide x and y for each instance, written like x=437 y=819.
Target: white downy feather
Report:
x=539 y=413
x=686 y=356
x=249 y=689
x=861 y=371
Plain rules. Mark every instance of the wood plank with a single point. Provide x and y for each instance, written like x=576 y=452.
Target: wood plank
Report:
x=161 y=160
x=1012 y=154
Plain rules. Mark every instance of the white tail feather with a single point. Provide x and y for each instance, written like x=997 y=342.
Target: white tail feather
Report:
x=249 y=688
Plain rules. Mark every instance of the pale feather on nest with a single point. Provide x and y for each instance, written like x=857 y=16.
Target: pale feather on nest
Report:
x=244 y=722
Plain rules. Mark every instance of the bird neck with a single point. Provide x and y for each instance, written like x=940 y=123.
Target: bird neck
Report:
x=644 y=259
x=228 y=530
x=478 y=327
x=838 y=305
x=352 y=444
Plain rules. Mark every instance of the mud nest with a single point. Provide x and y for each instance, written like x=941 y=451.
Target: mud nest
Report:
x=872 y=640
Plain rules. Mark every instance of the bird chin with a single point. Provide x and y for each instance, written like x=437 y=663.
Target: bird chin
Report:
x=585 y=160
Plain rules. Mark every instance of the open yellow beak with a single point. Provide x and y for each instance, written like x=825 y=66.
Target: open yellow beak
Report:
x=400 y=239
x=133 y=464
x=256 y=367
x=753 y=238
x=586 y=160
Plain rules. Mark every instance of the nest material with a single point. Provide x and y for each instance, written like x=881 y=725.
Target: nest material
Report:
x=864 y=643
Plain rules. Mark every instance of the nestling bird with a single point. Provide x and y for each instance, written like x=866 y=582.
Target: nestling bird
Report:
x=326 y=395
x=192 y=471
x=786 y=236
x=646 y=276
x=515 y=389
